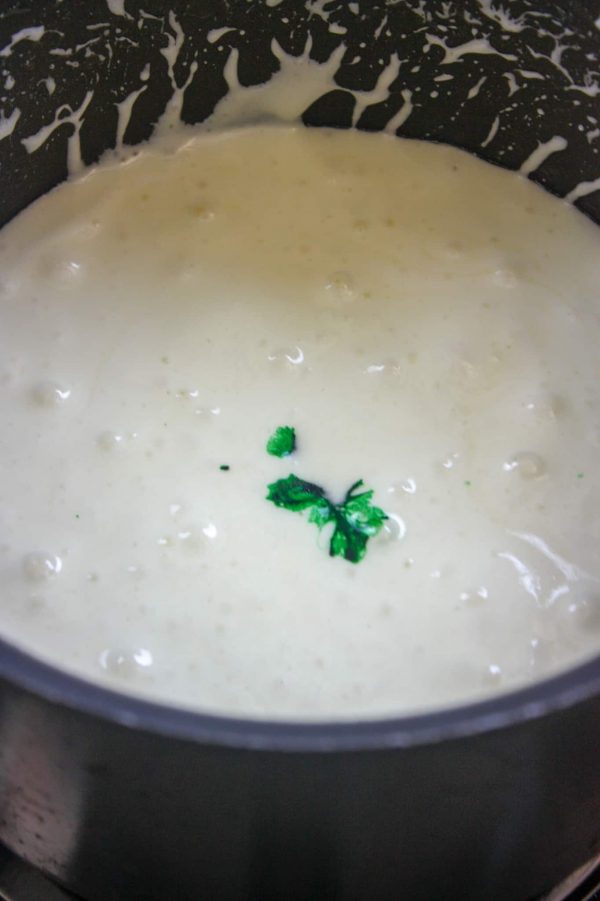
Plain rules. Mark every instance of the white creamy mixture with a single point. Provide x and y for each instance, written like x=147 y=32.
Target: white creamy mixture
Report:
x=427 y=323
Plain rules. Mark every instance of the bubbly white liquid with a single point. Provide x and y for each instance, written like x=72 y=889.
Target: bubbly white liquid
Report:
x=426 y=322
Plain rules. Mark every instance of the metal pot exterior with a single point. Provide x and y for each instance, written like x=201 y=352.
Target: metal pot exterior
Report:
x=160 y=806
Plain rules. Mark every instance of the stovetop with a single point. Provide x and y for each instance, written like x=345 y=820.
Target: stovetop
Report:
x=21 y=882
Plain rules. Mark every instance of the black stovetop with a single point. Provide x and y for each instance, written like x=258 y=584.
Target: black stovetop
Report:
x=21 y=882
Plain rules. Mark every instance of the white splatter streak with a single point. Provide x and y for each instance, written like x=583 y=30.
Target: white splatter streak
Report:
x=402 y=115
x=380 y=27
x=116 y=7
x=34 y=34
x=217 y=33
x=172 y=114
x=125 y=108
x=317 y=8
x=474 y=91
x=285 y=96
x=8 y=123
x=592 y=89
x=582 y=189
x=492 y=132
x=513 y=87
x=527 y=73
x=541 y=154
x=479 y=46
x=74 y=118
x=380 y=92
x=555 y=57
x=500 y=16
x=230 y=70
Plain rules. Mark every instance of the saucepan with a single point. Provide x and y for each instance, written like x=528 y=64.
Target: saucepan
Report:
x=120 y=798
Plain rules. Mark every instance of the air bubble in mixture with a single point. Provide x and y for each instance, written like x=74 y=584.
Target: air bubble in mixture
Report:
x=38 y=567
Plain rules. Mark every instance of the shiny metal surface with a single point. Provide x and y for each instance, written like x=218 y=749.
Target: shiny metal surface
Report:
x=582 y=885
